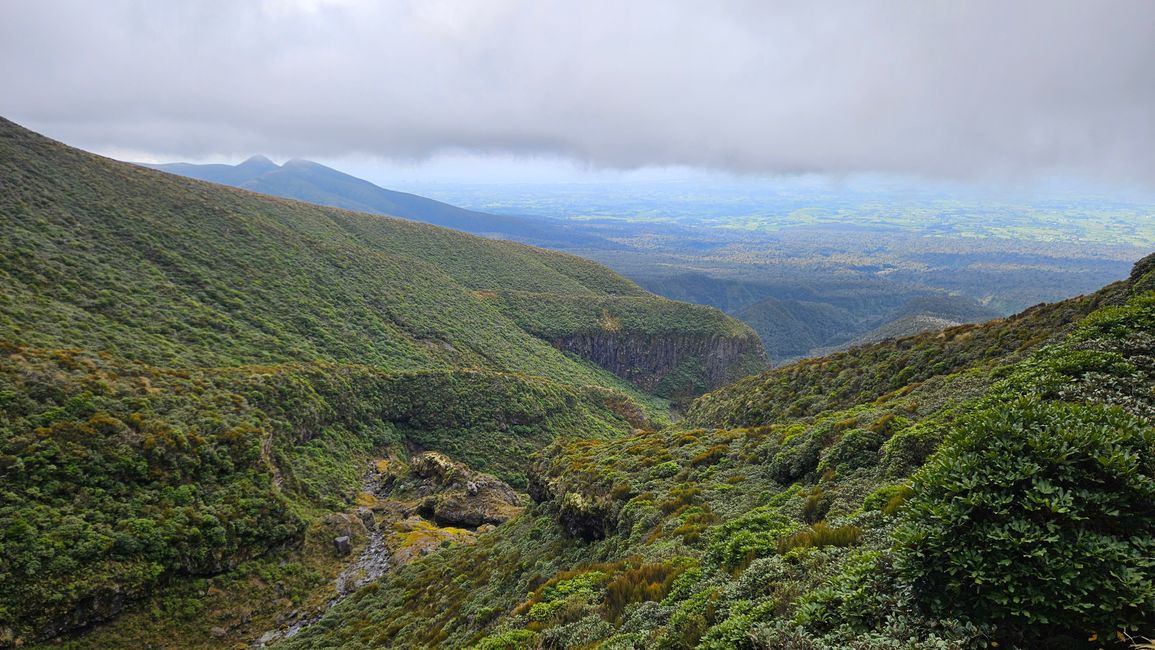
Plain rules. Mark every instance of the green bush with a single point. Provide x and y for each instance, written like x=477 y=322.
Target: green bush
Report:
x=755 y=534
x=888 y=498
x=510 y=640
x=799 y=455
x=1037 y=518
x=857 y=448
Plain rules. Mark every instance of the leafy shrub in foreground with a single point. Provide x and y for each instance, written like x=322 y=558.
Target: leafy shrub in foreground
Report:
x=1036 y=518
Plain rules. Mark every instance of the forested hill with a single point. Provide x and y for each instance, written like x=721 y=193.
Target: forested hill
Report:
x=235 y=421
x=193 y=376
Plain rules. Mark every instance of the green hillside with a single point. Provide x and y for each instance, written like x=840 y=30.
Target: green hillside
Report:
x=999 y=494
x=107 y=256
x=193 y=377
x=214 y=409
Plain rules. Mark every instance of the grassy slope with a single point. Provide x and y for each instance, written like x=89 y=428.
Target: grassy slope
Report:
x=775 y=531
x=192 y=373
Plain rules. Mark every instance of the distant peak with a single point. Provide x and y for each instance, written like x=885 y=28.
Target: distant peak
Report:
x=259 y=161
x=301 y=162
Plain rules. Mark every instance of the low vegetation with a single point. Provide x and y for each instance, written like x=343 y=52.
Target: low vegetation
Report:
x=962 y=511
x=195 y=383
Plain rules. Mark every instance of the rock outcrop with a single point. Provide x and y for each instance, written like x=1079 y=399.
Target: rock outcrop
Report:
x=669 y=365
x=585 y=516
x=458 y=496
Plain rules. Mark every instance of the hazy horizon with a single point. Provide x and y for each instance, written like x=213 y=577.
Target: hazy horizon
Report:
x=983 y=93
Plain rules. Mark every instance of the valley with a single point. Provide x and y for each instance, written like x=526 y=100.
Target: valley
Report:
x=231 y=420
x=813 y=268
x=521 y=325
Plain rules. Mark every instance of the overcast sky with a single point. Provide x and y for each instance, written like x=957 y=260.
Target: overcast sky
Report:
x=959 y=89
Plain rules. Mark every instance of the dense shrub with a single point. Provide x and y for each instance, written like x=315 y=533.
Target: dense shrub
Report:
x=1016 y=522
x=755 y=534
x=857 y=448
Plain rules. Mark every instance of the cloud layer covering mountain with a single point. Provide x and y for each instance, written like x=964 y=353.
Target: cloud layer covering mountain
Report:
x=957 y=89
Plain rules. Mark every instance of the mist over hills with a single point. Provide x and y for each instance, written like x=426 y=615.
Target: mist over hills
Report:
x=315 y=183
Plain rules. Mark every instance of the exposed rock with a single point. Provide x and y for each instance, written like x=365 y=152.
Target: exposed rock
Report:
x=454 y=495
x=582 y=516
x=452 y=498
x=438 y=468
x=647 y=360
x=218 y=631
x=102 y=605
x=340 y=524
x=366 y=517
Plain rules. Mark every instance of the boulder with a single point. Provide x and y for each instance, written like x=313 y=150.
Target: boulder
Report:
x=458 y=496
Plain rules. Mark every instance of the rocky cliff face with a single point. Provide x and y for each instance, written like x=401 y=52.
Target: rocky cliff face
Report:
x=670 y=365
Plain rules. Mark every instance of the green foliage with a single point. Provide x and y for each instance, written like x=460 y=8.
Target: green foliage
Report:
x=820 y=534
x=508 y=640
x=888 y=498
x=755 y=534
x=854 y=597
x=107 y=256
x=1036 y=517
x=871 y=372
x=716 y=497
x=117 y=476
x=300 y=342
x=855 y=449
x=800 y=453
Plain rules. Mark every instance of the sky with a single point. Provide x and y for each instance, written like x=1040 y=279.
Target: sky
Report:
x=546 y=90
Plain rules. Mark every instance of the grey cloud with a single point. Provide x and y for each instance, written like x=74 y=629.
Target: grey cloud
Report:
x=946 y=88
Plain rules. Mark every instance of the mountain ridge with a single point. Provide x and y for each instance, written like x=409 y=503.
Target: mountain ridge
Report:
x=313 y=182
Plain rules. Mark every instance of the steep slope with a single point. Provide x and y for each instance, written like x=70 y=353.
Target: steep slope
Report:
x=169 y=271
x=192 y=376
x=304 y=180
x=814 y=527
x=795 y=328
x=844 y=379
x=808 y=318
